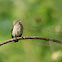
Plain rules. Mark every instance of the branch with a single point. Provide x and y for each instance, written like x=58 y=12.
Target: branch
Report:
x=31 y=37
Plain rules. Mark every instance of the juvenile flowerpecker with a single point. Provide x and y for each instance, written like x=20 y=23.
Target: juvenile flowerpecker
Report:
x=16 y=30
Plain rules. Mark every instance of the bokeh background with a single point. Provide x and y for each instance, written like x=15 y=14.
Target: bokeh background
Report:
x=39 y=18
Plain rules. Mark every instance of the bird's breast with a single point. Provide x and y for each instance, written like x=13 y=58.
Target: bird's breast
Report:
x=16 y=30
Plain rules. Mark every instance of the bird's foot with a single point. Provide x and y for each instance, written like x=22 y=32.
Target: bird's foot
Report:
x=16 y=40
x=22 y=37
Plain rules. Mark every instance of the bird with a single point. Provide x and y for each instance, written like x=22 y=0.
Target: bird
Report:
x=16 y=29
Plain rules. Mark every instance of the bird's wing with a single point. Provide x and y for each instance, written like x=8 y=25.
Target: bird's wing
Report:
x=11 y=31
x=22 y=28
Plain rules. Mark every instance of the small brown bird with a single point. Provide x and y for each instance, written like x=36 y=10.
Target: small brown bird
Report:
x=16 y=30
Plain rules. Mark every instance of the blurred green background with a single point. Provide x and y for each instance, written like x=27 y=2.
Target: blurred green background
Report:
x=39 y=18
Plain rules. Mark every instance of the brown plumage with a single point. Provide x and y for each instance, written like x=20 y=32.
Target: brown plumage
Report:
x=16 y=29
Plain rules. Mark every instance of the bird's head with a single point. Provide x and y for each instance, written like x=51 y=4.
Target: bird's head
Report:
x=16 y=22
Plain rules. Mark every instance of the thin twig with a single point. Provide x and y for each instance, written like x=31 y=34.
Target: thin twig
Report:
x=31 y=37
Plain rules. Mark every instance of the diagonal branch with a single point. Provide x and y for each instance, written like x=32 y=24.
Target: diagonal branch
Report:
x=31 y=37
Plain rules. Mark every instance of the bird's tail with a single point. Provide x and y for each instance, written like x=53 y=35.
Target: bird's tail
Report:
x=16 y=40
